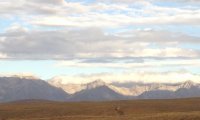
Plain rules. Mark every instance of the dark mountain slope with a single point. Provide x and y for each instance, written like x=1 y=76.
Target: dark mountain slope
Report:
x=14 y=88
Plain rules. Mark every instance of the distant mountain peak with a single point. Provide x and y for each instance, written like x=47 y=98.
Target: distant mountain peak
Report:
x=187 y=84
x=96 y=83
x=189 y=81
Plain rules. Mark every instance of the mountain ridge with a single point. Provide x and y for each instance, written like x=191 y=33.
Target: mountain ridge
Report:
x=132 y=90
x=16 y=88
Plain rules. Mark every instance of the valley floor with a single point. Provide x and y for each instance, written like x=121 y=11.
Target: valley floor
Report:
x=179 y=109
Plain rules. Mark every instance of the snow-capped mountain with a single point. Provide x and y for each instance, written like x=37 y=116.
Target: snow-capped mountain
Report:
x=68 y=88
x=95 y=84
x=188 y=84
x=74 y=88
x=138 y=89
x=97 y=90
x=135 y=90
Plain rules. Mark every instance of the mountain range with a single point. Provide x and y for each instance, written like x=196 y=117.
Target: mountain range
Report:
x=18 y=88
x=100 y=90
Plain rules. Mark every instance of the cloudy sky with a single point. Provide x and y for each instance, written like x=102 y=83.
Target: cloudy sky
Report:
x=113 y=40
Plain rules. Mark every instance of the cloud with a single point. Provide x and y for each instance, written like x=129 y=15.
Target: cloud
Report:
x=135 y=1
x=180 y=1
x=3 y=56
x=54 y=2
x=106 y=15
x=25 y=75
x=159 y=37
x=146 y=77
x=148 y=15
x=21 y=43
x=103 y=33
x=132 y=64
x=24 y=9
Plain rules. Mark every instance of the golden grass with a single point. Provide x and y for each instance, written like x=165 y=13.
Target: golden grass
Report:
x=180 y=109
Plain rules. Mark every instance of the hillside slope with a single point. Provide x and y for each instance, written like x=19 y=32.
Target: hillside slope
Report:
x=15 y=88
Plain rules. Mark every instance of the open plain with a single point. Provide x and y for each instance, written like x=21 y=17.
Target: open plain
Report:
x=177 y=109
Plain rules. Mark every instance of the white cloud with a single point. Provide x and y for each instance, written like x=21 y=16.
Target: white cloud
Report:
x=20 y=75
x=127 y=65
x=77 y=14
x=146 y=77
x=81 y=37
x=3 y=56
x=20 y=43
x=135 y=1
x=152 y=15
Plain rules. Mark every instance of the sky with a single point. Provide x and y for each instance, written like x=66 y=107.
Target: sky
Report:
x=114 y=40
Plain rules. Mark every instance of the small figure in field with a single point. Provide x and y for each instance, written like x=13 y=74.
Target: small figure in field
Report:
x=119 y=110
